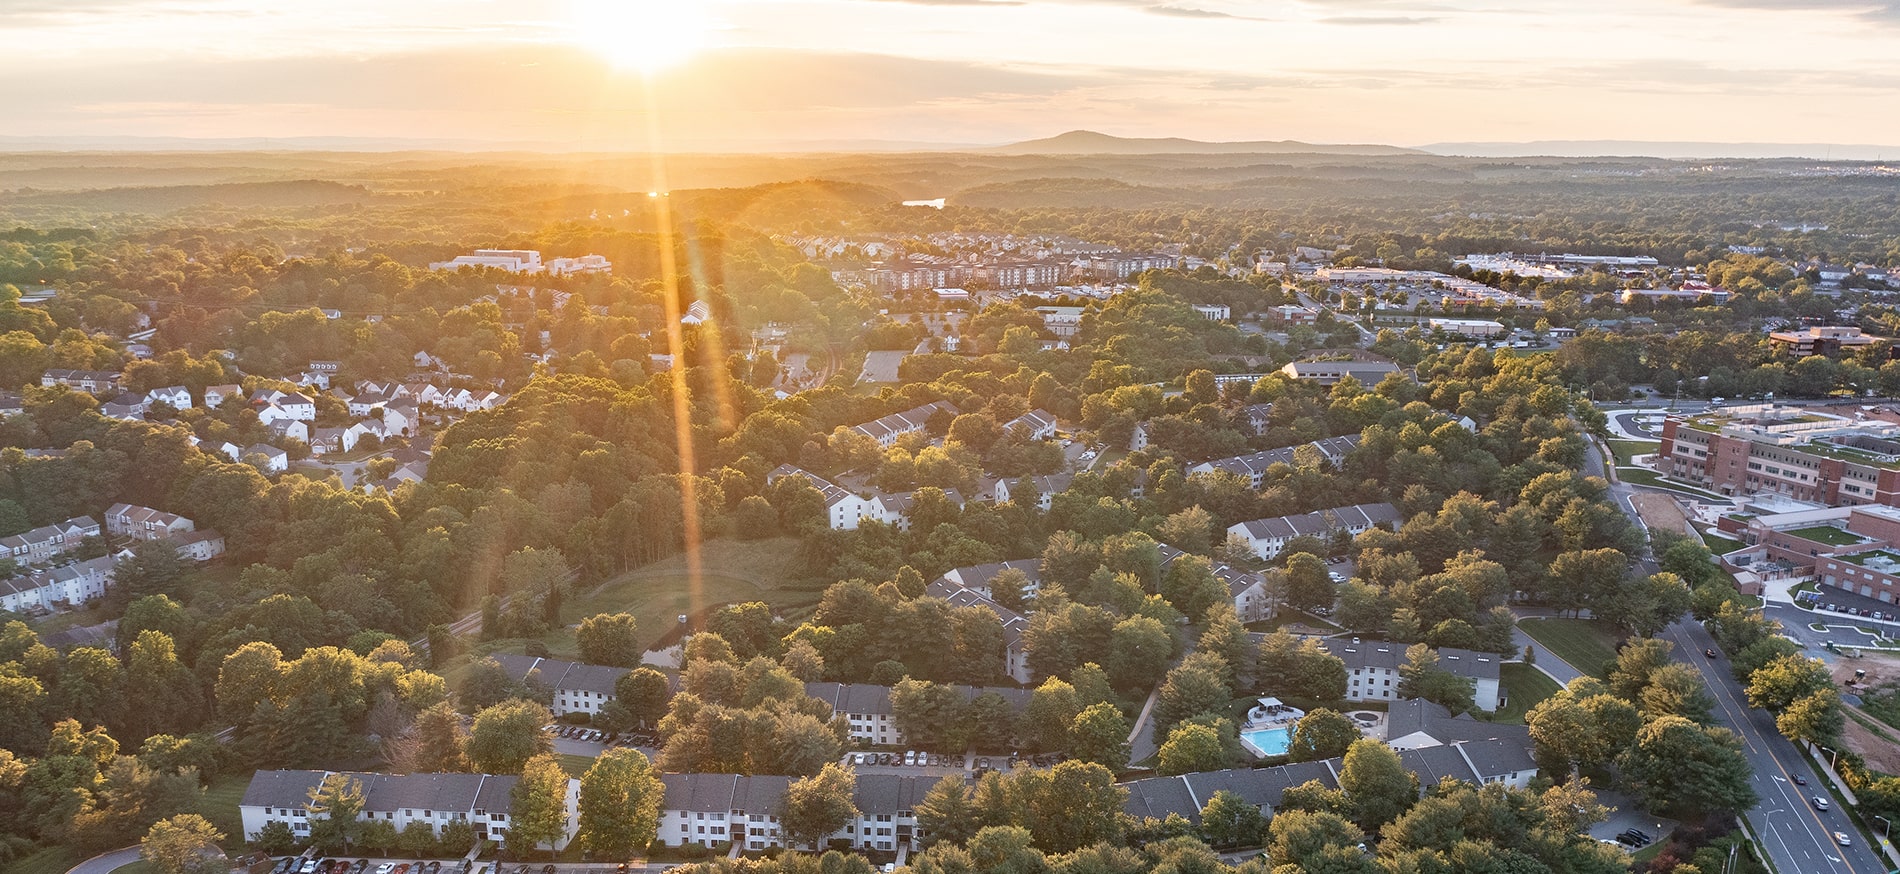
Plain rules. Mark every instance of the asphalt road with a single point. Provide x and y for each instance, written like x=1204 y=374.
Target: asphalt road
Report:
x=106 y=863
x=1796 y=836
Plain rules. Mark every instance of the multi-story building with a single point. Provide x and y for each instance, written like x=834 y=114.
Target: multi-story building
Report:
x=95 y=381
x=886 y=430
x=576 y=687
x=145 y=523
x=1807 y=455
x=713 y=809
x=1268 y=537
x=845 y=510
x=867 y=708
x=49 y=541
x=59 y=588
x=1368 y=373
x=433 y=800
x=1033 y=425
x=1853 y=549
x=1825 y=340
x=1372 y=669
x=1253 y=466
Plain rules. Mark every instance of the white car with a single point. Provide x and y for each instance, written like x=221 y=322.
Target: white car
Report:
x=385 y=868
x=910 y=757
x=1842 y=839
x=1820 y=803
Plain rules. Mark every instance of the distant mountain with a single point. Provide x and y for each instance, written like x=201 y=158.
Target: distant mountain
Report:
x=1678 y=150
x=1087 y=142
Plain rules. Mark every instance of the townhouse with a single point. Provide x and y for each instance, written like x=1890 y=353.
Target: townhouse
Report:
x=845 y=509
x=145 y=523
x=58 y=588
x=1015 y=654
x=1253 y=467
x=1372 y=669
x=576 y=687
x=177 y=396
x=1044 y=488
x=1267 y=537
x=95 y=381
x=202 y=545
x=887 y=429
x=216 y=395
x=49 y=541
x=434 y=800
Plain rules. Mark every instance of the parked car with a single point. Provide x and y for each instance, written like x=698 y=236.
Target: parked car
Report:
x=910 y=757
x=309 y=867
x=385 y=868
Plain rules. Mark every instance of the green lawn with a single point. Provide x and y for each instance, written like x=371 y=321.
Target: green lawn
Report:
x=221 y=805
x=1719 y=544
x=1641 y=476
x=52 y=860
x=731 y=572
x=1524 y=686
x=1585 y=644
x=1627 y=450
x=139 y=867
x=574 y=765
x=1827 y=534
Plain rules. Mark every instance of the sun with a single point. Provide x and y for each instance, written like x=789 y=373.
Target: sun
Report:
x=647 y=35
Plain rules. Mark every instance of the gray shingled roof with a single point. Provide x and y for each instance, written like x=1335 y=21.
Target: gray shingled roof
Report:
x=1322 y=522
x=1334 y=449
x=1368 y=653
x=281 y=788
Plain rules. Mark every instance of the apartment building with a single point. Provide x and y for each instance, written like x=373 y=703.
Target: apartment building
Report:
x=1253 y=466
x=1267 y=537
x=577 y=687
x=1802 y=454
x=434 y=800
x=1372 y=669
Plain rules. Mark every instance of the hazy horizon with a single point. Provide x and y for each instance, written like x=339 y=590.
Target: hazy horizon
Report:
x=767 y=75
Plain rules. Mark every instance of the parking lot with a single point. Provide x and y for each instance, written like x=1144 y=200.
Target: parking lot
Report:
x=325 y=865
x=935 y=765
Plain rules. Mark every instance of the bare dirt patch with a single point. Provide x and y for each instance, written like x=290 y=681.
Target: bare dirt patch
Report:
x=1881 y=754
x=1882 y=670
x=1661 y=512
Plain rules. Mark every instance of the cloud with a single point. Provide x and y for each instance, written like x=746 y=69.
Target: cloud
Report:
x=1886 y=11
x=957 y=2
x=1380 y=20
x=1190 y=12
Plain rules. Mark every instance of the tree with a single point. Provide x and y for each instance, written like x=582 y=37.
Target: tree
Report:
x=1197 y=685
x=1008 y=587
x=1300 y=840
x=537 y=807
x=1229 y=821
x=1308 y=584
x=1099 y=734
x=441 y=741
x=507 y=735
x=184 y=844
x=333 y=806
x=610 y=639
x=1786 y=680
x=640 y=698
x=1139 y=650
x=1322 y=734
x=1192 y=747
x=1052 y=708
x=1815 y=718
x=620 y=801
x=1376 y=783
x=1563 y=734
x=1681 y=767
x=945 y=815
x=818 y=805
x=1075 y=804
x=1420 y=677
x=1646 y=606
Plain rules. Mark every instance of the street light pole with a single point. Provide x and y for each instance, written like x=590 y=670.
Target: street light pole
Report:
x=1832 y=758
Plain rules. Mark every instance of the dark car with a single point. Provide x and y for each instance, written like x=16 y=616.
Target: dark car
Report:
x=1711 y=653
x=547 y=869
x=1800 y=780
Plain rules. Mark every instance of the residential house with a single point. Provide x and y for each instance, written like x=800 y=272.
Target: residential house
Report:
x=95 y=381
x=293 y=405
x=1372 y=669
x=368 y=403
x=1253 y=467
x=1138 y=438
x=698 y=312
x=1033 y=425
x=886 y=430
x=1256 y=418
x=576 y=687
x=177 y=396
x=287 y=428
x=1045 y=488
x=402 y=417
x=203 y=545
x=216 y=394
x=11 y=403
x=1268 y=536
x=321 y=373
x=129 y=406
x=275 y=460
x=843 y=507
x=433 y=800
x=49 y=541
x=145 y=523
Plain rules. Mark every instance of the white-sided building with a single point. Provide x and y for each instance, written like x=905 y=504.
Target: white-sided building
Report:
x=886 y=430
x=293 y=405
x=511 y=260
x=712 y=809
x=577 y=687
x=434 y=800
x=49 y=541
x=1268 y=537
x=1044 y=487
x=1033 y=425
x=177 y=395
x=867 y=708
x=1372 y=669
x=145 y=523
x=1253 y=466
x=59 y=588
x=203 y=545
x=216 y=395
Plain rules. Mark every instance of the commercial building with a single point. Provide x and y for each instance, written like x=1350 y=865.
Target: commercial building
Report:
x=1477 y=329
x=1829 y=340
x=1368 y=373
x=1803 y=454
x=1852 y=549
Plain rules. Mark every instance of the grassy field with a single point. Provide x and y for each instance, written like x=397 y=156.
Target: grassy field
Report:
x=1584 y=643
x=52 y=860
x=1525 y=686
x=574 y=765
x=1627 y=450
x=1719 y=544
x=731 y=572
x=221 y=805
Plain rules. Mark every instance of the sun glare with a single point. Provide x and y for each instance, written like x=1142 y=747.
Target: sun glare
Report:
x=647 y=35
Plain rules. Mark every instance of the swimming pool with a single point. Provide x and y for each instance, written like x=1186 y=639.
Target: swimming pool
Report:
x=1268 y=741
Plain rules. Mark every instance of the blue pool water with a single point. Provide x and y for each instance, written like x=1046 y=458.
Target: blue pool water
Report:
x=1268 y=741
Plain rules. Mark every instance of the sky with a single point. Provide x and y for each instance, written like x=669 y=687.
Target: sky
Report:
x=754 y=75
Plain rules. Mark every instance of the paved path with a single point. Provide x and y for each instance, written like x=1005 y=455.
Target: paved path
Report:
x=106 y=863
x=1547 y=661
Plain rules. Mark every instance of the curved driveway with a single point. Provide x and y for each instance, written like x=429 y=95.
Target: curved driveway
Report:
x=106 y=863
